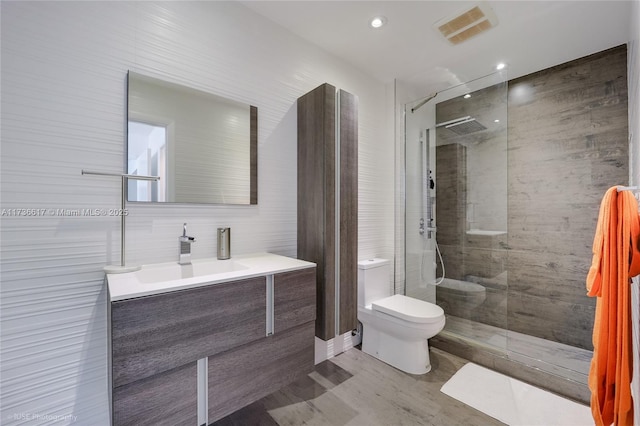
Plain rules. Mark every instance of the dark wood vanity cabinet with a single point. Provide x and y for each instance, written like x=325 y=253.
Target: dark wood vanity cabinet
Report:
x=250 y=372
x=157 y=340
x=294 y=299
x=158 y=333
x=328 y=203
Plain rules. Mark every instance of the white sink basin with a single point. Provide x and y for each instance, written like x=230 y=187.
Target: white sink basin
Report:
x=165 y=277
x=197 y=268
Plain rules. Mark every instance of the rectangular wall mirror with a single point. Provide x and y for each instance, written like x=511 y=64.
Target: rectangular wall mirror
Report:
x=204 y=147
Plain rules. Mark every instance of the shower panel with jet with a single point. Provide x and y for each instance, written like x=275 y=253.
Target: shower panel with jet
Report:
x=427 y=221
x=427 y=227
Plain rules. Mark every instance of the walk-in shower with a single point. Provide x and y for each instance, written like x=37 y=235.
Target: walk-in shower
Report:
x=456 y=225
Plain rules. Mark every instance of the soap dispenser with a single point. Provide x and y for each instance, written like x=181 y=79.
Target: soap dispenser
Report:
x=224 y=243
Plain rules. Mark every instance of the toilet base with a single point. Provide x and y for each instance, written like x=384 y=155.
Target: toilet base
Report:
x=410 y=356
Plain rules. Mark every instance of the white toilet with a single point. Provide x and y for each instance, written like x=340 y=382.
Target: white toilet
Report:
x=395 y=328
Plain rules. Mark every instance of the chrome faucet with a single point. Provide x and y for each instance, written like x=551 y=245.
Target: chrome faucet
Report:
x=185 y=246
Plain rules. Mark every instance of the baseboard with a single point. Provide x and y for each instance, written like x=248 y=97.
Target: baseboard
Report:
x=325 y=349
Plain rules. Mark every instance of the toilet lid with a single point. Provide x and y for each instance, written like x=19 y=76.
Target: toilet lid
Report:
x=409 y=309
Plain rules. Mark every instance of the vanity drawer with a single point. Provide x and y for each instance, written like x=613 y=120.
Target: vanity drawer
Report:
x=294 y=298
x=244 y=375
x=158 y=333
x=169 y=398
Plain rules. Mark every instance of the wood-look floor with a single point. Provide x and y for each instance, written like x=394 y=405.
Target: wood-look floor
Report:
x=356 y=389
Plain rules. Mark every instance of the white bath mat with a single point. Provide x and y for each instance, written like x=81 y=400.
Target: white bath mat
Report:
x=513 y=402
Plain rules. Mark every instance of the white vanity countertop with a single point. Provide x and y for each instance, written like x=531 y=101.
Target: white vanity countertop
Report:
x=166 y=277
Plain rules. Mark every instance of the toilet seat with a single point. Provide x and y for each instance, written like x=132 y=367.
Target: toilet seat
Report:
x=409 y=309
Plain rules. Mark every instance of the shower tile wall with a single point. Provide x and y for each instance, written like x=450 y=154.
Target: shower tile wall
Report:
x=567 y=145
x=451 y=191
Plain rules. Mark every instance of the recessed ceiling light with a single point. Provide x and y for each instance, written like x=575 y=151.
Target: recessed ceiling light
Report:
x=496 y=121
x=500 y=66
x=467 y=96
x=378 y=21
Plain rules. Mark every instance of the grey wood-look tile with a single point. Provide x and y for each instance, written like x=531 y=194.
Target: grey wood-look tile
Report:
x=356 y=389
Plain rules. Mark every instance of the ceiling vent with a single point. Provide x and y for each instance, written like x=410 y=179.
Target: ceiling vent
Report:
x=469 y=23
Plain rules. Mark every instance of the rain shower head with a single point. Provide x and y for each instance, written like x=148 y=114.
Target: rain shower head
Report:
x=465 y=127
x=462 y=125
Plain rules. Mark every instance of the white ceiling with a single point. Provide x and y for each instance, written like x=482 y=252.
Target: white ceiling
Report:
x=530 y=35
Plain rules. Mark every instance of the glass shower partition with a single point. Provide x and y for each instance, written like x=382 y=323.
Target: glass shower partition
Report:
x=456 y=208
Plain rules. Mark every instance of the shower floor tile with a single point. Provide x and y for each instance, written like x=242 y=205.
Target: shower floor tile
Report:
x=553 y=357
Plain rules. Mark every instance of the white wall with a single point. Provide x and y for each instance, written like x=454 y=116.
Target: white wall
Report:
x=403 y=93
x=419 y=250
x=64 y=66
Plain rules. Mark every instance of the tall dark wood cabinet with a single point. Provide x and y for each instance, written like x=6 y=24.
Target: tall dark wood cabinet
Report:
x=328 y=203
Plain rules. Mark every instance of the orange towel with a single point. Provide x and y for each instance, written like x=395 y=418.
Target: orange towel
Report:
x=616 y=258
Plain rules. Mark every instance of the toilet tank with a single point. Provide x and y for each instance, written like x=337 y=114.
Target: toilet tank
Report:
x=373 y=281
